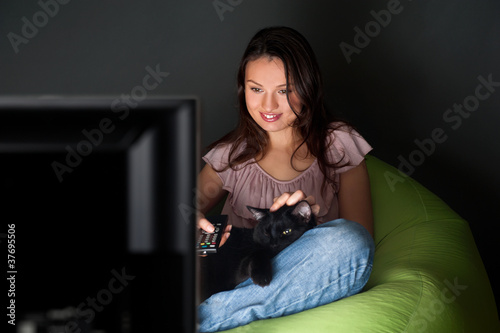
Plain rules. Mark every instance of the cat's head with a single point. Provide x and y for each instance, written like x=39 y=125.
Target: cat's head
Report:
x=276 y=230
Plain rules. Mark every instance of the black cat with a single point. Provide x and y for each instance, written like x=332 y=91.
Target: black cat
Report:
x=248 y=252
x=274 y=232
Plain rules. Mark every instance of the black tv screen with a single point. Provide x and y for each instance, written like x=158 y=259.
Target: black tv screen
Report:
x=98 y=202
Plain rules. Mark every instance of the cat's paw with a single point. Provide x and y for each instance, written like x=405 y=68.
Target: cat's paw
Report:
x=262 y=278
x=260 y=268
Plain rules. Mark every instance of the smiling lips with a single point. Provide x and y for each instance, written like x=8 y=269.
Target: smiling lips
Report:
x=270 y=117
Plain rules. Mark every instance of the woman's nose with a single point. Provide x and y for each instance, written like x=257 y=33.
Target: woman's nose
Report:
x=269 y=103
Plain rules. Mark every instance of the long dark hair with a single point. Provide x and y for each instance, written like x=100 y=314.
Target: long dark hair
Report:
x=313 y=123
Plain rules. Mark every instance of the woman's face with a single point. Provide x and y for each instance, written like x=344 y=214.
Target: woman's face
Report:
x=266 y=95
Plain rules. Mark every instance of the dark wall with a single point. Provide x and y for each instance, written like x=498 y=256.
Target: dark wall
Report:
x=414 y=80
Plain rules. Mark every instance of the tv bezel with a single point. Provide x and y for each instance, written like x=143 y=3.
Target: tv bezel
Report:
x=143 y=143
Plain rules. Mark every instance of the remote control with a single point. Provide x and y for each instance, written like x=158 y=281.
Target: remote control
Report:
x=208 y=243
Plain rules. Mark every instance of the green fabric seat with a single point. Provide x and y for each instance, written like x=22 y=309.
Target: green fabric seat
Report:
x=427 y=274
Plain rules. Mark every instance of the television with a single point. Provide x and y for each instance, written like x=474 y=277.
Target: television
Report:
x=98 y=211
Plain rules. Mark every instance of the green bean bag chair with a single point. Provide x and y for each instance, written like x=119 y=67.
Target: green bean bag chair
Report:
x=427 y=274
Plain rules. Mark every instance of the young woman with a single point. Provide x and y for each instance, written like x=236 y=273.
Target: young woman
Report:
x=287 y=148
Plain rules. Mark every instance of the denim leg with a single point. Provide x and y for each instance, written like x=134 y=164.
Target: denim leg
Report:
x=330 y=262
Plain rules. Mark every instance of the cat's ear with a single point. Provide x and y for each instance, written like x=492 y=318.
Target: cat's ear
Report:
x=258 y=213
x=303 y=209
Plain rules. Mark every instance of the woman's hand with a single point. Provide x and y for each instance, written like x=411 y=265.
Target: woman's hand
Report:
x=205 y=225
x=211 y=192
x=292 y=198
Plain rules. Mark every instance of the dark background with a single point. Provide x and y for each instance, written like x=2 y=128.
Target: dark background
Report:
x=395 y=89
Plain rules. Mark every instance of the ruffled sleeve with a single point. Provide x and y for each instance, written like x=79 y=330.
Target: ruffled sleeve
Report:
x=347 y=148
x=217 y=158
x=244 y=185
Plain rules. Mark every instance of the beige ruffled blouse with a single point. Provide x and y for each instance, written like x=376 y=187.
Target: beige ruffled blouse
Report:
x=250 y=185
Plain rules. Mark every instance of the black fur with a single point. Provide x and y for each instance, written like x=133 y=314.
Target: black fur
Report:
x=274 y=232
x=249 y=252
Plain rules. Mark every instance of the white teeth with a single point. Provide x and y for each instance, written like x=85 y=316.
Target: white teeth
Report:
x=269 y=116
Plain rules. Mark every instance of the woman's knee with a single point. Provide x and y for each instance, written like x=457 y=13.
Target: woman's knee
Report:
x=347 y=237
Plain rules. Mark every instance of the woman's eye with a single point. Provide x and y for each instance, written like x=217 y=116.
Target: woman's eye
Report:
x=282 y=92
x=257 y=90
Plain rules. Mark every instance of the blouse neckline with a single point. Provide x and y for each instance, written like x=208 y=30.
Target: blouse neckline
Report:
x=303 y=174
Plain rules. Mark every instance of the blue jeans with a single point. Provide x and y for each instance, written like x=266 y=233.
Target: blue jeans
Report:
x=332 y=261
